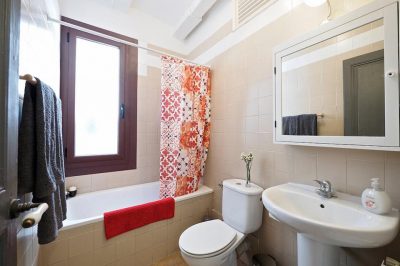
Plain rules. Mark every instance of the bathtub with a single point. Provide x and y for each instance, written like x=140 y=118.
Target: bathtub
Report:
x=89 y=207
x=82 y=242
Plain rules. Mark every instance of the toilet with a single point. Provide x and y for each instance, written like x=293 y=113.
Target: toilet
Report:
x=213 y=243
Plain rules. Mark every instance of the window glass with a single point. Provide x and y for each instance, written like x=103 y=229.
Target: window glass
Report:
x=97 y=87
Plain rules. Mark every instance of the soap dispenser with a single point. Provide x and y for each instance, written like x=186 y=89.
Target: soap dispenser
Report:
x=375 y=199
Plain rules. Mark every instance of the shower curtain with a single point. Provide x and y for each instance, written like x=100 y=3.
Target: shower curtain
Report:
x=185 y=125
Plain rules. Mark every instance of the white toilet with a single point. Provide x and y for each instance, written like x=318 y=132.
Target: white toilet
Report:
x=213 y=243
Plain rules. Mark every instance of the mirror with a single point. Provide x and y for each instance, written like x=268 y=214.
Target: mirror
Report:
x=339 y=84
x=336 y=87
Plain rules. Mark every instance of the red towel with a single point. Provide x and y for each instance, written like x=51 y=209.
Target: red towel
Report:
x=123 y=220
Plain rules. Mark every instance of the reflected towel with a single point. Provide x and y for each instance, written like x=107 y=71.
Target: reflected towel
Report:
x=300 y=125
x=123 y=220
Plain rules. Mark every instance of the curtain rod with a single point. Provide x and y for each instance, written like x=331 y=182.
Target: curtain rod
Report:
x=118 y=40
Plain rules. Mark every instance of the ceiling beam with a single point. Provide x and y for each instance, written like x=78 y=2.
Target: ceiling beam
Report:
x=193 y=17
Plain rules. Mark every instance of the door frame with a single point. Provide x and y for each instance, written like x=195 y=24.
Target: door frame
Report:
x=9 y=107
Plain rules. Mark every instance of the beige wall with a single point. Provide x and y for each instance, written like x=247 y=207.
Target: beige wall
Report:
x=148 y=142
x=87 y=246
x=242 y=121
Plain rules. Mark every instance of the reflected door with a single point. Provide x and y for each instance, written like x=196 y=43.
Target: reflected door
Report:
x=364 y=95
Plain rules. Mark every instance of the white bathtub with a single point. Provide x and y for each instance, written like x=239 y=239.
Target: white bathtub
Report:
x=89 y=207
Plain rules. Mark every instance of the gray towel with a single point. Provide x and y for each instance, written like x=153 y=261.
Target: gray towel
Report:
x=300 y=125
x=41 y=157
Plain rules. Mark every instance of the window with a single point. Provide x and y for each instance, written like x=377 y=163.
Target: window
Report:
x=98 y=91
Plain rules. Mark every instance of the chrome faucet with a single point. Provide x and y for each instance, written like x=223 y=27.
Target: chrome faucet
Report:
x=325 y=189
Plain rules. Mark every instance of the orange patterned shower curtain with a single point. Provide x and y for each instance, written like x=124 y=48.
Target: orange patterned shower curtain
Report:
x=185 y=125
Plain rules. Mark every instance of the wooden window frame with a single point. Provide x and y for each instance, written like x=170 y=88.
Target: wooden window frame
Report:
x=125 y=159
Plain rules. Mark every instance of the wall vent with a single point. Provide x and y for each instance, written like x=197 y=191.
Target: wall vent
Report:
x=245 y=10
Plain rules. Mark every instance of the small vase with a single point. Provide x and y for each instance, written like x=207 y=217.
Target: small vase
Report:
x=248 y=176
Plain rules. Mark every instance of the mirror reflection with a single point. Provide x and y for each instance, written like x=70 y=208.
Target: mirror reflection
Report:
x=336 y=87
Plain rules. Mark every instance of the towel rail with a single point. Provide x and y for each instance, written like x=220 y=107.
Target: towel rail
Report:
x=29 y=78
x=321 y=115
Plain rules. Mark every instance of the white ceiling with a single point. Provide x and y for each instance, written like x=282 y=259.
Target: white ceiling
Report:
x=150 y=21
x=168 y=11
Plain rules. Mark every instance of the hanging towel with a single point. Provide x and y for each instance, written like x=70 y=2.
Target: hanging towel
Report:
x=123 y=220
x=300 y=125
x=41 y=157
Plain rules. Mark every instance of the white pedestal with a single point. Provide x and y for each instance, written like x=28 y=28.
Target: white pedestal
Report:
x=314 y=253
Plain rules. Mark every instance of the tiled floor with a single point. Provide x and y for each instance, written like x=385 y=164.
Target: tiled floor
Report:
x=172 y=260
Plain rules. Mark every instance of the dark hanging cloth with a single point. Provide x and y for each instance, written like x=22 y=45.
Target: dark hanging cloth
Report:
x=41 y=157
x=300 y=125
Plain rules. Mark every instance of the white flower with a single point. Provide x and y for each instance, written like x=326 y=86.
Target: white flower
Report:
x=247 y=158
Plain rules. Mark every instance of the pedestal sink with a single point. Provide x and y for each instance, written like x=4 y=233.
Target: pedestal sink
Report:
x=324 y=225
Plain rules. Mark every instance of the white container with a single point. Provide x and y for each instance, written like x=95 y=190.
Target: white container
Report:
x=375 y=199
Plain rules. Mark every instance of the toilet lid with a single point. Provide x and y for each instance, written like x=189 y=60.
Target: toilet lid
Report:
x=207 y=237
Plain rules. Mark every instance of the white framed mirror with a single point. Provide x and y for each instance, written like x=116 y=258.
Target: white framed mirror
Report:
x=338 y=86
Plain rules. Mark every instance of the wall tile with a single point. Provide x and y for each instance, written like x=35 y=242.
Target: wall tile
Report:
x=252 y=107
x=105 y=255
x=392 y=182
x=251 y=124
x=332 y=166
x=265 y=123
x=85 y=259
x=160 y=252
x=305 y=168
x=54 y=252
x=265 y=104
x=83 y=183
x=359 y=175
x=144 y=241
x=81 y=244
x=145 y=257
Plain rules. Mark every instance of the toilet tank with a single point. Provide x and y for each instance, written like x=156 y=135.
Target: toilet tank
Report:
x=242 y=207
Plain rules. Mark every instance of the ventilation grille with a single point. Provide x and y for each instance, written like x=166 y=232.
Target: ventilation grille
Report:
x=244 y=10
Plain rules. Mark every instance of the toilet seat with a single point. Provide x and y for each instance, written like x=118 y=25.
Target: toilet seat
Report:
x=207 y=239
